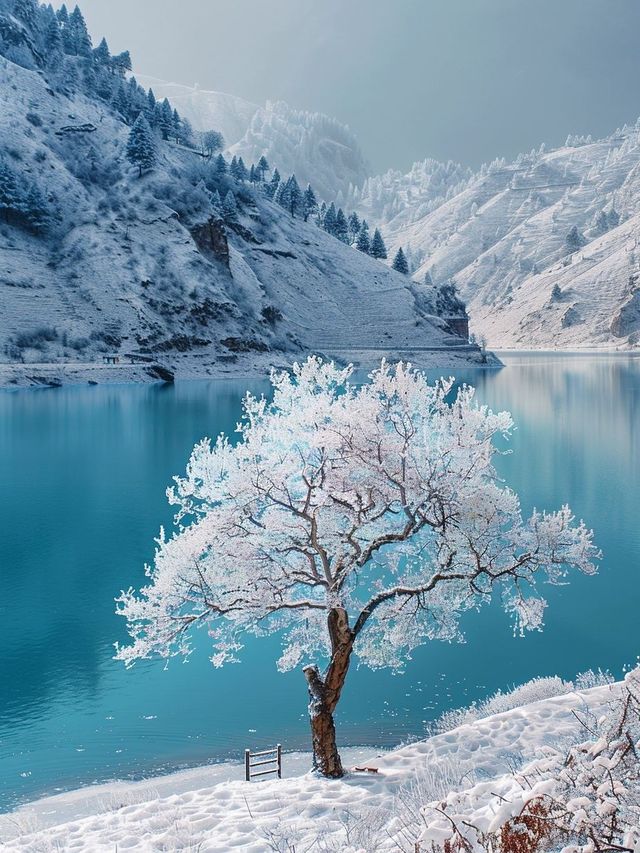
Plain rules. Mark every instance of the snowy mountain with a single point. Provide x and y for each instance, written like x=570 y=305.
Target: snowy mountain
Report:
x=206 y=110
x=316 y=148
x=543 y=249
x=100 y=256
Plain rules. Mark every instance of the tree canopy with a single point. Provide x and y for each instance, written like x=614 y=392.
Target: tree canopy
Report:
x=351 y=520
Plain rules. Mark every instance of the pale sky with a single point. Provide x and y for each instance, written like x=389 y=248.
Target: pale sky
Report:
x=452 y=79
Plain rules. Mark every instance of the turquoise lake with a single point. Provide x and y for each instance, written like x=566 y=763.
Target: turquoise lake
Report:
x=83 y=473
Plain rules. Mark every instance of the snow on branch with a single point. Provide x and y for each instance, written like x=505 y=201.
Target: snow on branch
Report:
x=380 y=501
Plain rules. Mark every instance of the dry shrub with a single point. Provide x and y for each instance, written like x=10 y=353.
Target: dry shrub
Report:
x=530 y=831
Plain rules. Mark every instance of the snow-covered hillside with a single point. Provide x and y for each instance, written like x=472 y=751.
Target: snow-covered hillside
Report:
x=205 y=109
x=316 y=148
x=543 y=249
x=148 y=265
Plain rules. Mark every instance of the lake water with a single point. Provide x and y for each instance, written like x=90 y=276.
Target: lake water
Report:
x=83 y=473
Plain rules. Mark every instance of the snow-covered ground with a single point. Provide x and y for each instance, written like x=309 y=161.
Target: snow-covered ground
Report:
x=212 y=811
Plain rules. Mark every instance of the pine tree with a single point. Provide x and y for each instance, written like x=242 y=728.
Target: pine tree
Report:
x=341 y=228
x=53 y=43
x=262 y=167
x=141 y=146
x=150 y=108
x=253 y=175
x=354 y=227
x=400 y=262
x=120 y=101
x=36 y=209
x=363 y=243
x=27 y=12
x=428 y=279
x=281 y=195
x=574 y=239
x=216 y=201
x=186 y=133
x=241 y=170
x=79 y=40
x=309 y=203
x=329 y=222
x=295 y=196
x=122 y=62
x=229 y=207
x=11 y=193
x=321 y=215
x=221 y=166
x=62 y=15
x=378 y=249
x=272 y=187
x=165 y=119
x=102 y=54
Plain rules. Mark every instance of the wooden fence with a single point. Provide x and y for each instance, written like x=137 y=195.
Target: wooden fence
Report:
x=274 y=762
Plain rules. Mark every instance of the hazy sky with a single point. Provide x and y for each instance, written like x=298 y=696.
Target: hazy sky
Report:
x=450 y=79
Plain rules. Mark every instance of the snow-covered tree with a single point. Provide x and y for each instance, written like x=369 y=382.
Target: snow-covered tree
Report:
x=363 y=243
x=262 y=167
x=230 y=207
x=12 y=196
x=309 y=203
x=63 y=15
x=353 y=521
x=164 y=118
x=27 y=12
x=36 y=209
x=76 y=36
x=121 y=62
x=102 y=54
x=294 y=196
x=281 y=195
x=378 y=248
x=341 y=229
x=141 y=146
x=211 y=141
x=238 y=170
x=574 y=239
x=354 y=226
x=400 y=263
x=272 y=187
x=329 y=220
x=221 y=166
x=53 y=42
x=151 y=107
x=216 y=201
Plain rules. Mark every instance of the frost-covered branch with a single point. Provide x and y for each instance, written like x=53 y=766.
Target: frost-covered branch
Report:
x=363 y=498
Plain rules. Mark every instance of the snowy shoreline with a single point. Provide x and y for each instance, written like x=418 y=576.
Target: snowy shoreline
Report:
x=56 y=374
x=211 y=809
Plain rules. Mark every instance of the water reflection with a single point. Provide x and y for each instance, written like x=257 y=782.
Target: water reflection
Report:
x=83 y=474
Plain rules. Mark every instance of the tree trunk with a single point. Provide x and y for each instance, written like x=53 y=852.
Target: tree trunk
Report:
x=324 y=694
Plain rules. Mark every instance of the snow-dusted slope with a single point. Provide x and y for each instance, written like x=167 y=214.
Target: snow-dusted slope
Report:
x=363 y=812
x=138 y=265
x=502 y=235
x=206 y=110
x=317 y=149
